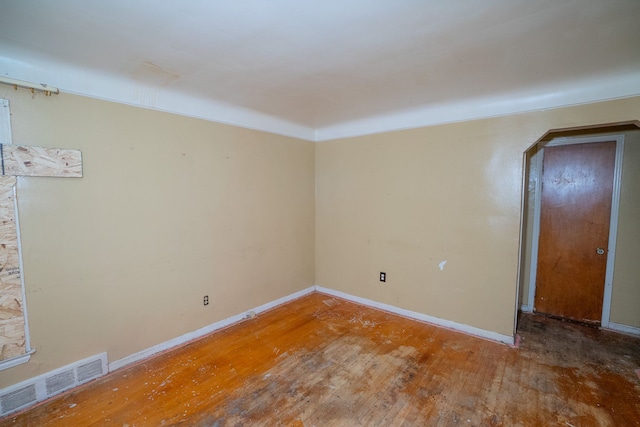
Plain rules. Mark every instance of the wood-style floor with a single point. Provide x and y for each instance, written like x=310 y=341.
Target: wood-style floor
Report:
x=323 y=361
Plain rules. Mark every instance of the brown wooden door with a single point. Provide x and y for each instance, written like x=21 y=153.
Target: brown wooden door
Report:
x=575 y=212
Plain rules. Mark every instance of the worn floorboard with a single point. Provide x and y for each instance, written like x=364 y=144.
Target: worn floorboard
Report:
x=323 y=361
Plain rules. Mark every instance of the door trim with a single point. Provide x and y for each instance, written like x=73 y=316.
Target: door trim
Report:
x=613 y=224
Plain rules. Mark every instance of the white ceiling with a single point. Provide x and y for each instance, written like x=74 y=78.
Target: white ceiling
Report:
x=321 y=69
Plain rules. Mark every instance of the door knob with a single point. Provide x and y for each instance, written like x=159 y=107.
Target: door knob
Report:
x=600 y=251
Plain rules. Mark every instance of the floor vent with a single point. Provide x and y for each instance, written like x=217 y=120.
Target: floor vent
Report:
x=62 y=381
x=90 y=370
x=12 y=401
x=36 y=389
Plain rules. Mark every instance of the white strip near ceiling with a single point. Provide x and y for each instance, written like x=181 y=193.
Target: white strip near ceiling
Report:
x=74 y=80
x=328 y=69
x=81 y=82
x=574 y=93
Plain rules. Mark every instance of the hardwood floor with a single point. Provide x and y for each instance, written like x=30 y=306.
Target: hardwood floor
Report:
x=323 y=361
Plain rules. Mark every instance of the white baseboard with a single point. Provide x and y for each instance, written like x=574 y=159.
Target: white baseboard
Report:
x=459 y=327
x=189 y=336
x=33 y=390
x=630 y=330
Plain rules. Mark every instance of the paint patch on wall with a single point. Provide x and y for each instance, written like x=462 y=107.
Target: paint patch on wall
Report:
x=442 y=264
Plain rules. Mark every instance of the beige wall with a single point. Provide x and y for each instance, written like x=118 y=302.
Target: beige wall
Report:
x=402 y=202
x=169 y=209
x=173 y=208
x=625 y=294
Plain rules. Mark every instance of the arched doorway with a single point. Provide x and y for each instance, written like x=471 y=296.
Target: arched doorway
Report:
x=548 y=279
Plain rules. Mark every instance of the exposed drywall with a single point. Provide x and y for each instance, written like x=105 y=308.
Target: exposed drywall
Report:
x=169 y=209
x=403 y=202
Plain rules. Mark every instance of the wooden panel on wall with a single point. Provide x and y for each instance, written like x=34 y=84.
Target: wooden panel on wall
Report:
x=39 y=161
x=12 y=325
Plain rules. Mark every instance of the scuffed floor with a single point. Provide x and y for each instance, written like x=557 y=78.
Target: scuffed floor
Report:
x=322 y=361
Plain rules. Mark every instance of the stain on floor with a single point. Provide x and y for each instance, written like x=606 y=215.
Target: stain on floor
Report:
x=322 y=361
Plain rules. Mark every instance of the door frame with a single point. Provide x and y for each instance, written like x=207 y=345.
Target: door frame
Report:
x=613 y=223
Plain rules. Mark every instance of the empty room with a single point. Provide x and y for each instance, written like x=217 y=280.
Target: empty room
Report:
x=320 y=213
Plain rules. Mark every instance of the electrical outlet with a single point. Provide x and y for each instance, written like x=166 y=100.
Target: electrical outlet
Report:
x=206 y=300
x=383 y=276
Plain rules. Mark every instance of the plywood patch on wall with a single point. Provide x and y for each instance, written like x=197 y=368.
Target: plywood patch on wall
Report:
x=40 y=161
x=12 y=325
x=20 y=161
